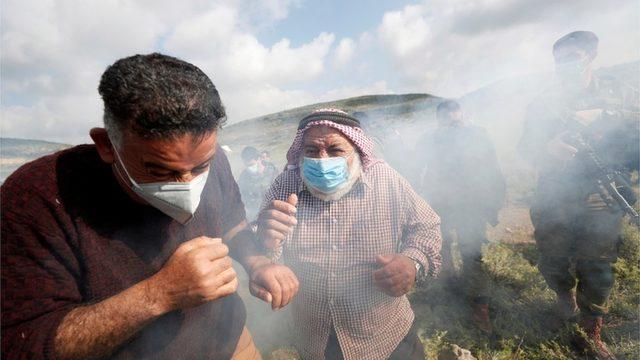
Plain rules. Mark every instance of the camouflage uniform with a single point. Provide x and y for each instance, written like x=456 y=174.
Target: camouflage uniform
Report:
x=573 y=225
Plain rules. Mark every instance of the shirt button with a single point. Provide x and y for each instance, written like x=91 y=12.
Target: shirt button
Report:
x=333 y=274
x=330 y=301
x=334 y=220
x=334 y=247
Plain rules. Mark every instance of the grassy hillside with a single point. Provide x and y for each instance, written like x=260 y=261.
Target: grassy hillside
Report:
x=16 y=152
x=274 y=132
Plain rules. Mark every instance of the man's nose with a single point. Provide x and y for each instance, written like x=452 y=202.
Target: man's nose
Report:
x=323 y=154
x=186 y=177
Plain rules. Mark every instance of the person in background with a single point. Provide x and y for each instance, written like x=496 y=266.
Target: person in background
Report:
x=462 y=180
x=358 y=237
x=265 y=158
x=576 y=224
x=388 y=144
x=372 y=132
x=254 y=180
x=122 y=249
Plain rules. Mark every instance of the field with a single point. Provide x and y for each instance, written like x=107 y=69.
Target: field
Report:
x=521 y=305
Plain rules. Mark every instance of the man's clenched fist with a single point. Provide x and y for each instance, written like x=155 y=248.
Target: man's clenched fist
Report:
x=396 y=275
x=277 y=221
x=198 y=271
x=275 y=284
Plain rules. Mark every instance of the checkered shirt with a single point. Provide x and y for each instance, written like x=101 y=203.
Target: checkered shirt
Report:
x=332 y=250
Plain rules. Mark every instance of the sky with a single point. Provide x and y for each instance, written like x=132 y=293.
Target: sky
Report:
x=267 y=56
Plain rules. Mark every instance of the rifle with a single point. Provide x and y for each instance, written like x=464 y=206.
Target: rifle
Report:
x=611 y=183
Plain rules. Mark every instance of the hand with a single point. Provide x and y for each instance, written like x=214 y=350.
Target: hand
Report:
x=560 y=150
x=275 y=284
x=396 y=275
x=198 y=271
x=277 y=221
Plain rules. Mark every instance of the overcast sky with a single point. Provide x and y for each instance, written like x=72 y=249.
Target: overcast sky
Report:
x=266 y=56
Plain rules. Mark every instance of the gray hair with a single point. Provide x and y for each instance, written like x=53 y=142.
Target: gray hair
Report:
x=113 y=128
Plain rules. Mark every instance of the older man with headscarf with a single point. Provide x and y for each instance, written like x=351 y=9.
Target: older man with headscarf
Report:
x=356 y=235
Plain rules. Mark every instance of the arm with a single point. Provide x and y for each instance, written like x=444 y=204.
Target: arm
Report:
x=421 y=240
x=94 y=331
x=494 y=187
x=45 y=315
x=199 y=271
x=277 y=217
x=538 y=131
x=542 y=143
x=273 y=283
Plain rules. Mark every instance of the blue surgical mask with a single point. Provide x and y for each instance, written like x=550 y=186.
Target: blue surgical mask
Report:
x=325 y=174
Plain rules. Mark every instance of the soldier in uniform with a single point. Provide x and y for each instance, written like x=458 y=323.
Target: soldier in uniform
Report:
x=576 y=225
x=462 y=180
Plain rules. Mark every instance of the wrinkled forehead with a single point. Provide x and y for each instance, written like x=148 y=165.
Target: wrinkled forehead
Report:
x=325 y=136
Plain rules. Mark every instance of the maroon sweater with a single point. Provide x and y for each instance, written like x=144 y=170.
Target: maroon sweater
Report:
x=71 y=236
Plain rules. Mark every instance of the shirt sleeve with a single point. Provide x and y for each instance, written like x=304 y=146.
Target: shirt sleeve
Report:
x=494 y=183
x=542 y=123
x=280 y=189
x=234 y=212
x=421 y=237
x=39 y=275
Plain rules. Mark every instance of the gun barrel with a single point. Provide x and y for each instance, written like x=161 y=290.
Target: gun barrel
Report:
x=624 y=204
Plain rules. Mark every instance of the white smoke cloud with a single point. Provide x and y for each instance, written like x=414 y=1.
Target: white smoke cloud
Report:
x=453 y=47
x=53 y=53
x=344 y=53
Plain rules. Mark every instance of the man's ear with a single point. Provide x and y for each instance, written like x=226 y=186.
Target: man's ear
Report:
x=103 y=144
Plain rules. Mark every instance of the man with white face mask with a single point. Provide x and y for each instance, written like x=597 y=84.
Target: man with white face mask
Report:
x=122 y=249
x=357 y=236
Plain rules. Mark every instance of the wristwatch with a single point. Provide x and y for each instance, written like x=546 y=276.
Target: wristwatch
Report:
x=419 y=270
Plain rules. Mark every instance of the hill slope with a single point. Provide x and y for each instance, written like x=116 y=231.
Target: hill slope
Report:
x=274 y=132
x=499 y=107
x=16 y=152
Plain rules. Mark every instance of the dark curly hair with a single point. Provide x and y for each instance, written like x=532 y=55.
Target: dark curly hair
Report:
x=159 y=96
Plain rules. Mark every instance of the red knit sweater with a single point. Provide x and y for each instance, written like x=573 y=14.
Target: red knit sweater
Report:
x=71 y=236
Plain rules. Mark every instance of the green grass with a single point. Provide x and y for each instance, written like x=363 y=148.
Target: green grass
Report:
x=522 y=306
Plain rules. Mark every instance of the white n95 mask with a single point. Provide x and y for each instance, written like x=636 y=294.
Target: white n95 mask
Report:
x=178 y=200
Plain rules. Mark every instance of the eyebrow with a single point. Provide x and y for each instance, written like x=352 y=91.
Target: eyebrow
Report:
x=153 y=165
